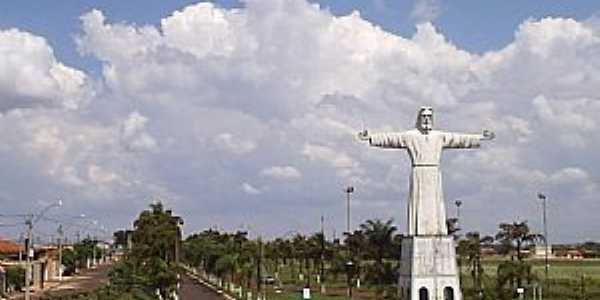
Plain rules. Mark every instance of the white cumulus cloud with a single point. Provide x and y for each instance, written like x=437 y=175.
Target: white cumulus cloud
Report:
x=30 y=75
x=134 y=135
x=281 y=172
x=234 y=144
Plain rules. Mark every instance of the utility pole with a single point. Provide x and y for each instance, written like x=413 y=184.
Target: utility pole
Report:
x=29 y=254
x=29 y=221
x=60 y=240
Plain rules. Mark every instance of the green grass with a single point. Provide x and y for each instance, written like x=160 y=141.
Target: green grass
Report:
x=565 y=279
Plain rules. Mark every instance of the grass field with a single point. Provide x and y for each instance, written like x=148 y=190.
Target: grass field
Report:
x=568 y=279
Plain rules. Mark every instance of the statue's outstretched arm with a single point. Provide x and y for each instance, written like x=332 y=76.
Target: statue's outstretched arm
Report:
x=464 y=140
x=384 y=139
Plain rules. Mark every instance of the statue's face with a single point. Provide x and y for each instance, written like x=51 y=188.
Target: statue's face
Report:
x=426 y=120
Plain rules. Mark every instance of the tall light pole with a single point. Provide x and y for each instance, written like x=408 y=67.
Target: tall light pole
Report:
x=543 y=198
x=349 y=190
x=458 y=203
x=349 y=265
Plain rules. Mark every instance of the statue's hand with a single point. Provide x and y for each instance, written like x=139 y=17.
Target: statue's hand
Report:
x=363 y=135
x=488 y=135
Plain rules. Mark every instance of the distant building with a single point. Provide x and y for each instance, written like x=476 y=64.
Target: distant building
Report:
x=539 y=252
x=44 y=265
x=487 y=251
x=10 y=249
x=571 y=254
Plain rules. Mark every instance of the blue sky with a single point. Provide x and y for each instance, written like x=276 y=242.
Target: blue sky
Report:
x=245 y=117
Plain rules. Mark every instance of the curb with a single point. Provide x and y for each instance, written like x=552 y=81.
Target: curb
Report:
x=210 y=286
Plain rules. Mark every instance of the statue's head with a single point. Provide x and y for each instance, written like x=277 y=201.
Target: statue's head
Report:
x=425 y=119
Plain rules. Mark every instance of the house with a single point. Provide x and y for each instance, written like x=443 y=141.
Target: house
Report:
x=571 y=254
x=44 y=265
x=10 y=255
x=10 y=250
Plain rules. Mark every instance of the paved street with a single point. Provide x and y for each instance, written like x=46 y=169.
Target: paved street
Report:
x=191 y=290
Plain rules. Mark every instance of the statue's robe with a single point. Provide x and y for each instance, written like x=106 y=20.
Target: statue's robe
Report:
x=426 y=212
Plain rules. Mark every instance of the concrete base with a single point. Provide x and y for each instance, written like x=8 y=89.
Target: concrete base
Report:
x=428 y=269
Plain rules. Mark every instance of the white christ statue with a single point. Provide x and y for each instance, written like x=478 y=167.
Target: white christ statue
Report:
x=426 y=213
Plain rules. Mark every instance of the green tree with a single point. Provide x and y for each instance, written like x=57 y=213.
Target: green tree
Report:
x=85 y=250
x=516 y=237
x=69 y=260
x=513 y=239
x=15 y=277
x=150 y=264
x=470 y=248
x=379 y=239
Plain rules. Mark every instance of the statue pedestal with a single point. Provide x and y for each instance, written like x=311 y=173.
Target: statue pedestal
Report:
x=428 y=269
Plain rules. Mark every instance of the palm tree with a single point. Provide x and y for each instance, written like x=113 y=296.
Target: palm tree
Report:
x=470 y=247
x=355 y=246
x=316 y=251
x=513 y=238
x=379 y=237
x=299 y=250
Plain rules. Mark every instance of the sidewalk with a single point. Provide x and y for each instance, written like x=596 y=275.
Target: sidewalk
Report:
x=87 y=280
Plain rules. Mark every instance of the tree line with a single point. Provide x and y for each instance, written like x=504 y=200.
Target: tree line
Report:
x=373 y=250
x=149 y=267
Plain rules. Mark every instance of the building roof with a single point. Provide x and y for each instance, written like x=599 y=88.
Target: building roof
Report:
x=10 y=247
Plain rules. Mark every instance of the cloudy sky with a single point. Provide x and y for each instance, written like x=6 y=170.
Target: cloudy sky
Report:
x=242 y=115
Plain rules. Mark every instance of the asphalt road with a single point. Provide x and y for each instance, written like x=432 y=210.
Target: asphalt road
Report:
x=191 y=290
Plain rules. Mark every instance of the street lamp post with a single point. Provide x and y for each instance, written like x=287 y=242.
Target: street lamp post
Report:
x=546 y=266
x=349 y=190
x=349 y=265
x=60 y=241
x=29 y=222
